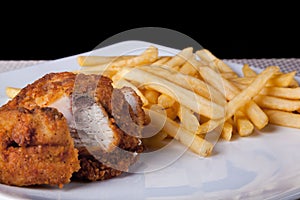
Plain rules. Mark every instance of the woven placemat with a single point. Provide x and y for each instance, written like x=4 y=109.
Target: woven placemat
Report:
x=17 y=64
x=286 y=64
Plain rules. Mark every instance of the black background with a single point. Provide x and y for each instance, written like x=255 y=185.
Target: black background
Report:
x=53 y=31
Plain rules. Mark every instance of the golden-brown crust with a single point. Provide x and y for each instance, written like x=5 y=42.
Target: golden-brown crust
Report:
x=36 y=147
x=93 y=170
x=44 y=91
x=51 y=87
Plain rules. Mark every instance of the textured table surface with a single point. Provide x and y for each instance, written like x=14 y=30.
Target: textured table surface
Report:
x=286 y=64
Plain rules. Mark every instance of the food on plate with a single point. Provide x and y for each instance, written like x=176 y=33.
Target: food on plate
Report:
x=192 y=100
x=105 y=122
x=244 y=126
x=36 y=147
x=148 y=56
x=195 y=143
x=282 y=92
x=238 y=99
x=283 y=118
x=277 y=103
x=185 y=82
x=197 y=94
x=227 y=130
x=247 y=71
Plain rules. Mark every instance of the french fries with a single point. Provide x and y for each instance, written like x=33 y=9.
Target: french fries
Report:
x=188 y=120
x=282 y=92
x=180 y=58
x=283 y=118
x=200 y=94
x=243 y=125
x=230 y=90
x=189 y=139
x=99 y=60
x=165 y=101
x=227 y=130
x=186 y=97
x=147 y=57
x=188 y=82
x=213 y=61
x=151 y=96
x=247 y=71
x=279 y=80
x=255 y=114
x=277 y=103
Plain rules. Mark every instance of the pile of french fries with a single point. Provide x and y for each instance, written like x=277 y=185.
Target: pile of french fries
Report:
x=197 y=94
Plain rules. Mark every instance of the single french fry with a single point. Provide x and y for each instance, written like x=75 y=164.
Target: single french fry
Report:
x=256 y=114
x=190 y=67
x=282 y=92
x=277 y=103
x=185 y=97
x=188 y=120
x=11 y=92
x=88 y=61
x=294 y=83
x=247 y=71
x=243 y=125
x=151 y=95
x=283 y=118
x=99 y=60
x=283 y=79
x=241 y=86
x=149 y=56
x=180 y=58
x=165 y=101
x=160 y=61
x=172 y=111
x=209 y=125
x=203 y=89
x=205 y=55
x=214 y=62
x=229 y=75
x=194 y=142
x=241 y=80
x=227 y=131
x=279 y=80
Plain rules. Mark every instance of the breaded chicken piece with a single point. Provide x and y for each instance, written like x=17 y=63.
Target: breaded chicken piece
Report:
x=36 y=147
x=44 y=91
x=105 y=122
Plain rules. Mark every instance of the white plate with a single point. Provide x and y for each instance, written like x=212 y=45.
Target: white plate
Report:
x=262 y=166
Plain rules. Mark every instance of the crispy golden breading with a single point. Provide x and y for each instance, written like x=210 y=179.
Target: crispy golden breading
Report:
x=44 y=91
x=36 y=147
x=83 y=90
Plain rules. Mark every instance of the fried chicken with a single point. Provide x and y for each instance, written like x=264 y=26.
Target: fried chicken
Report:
x=36 y=147
x=106 y=123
